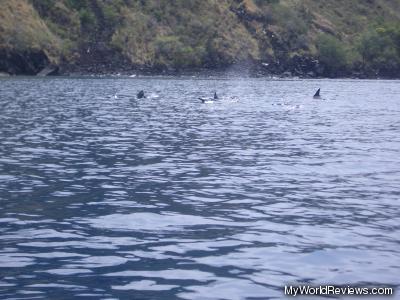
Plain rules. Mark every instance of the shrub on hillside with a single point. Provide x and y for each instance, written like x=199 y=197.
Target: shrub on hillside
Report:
x=88 y=19
x=379 y=49
x=170 y=51
x=332 y=54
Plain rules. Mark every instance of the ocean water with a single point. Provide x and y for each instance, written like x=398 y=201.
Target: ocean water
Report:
x=103 y=196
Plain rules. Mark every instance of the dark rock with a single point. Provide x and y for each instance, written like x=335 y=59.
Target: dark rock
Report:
x=28 y=62
x=310 y=74
x=48 y=71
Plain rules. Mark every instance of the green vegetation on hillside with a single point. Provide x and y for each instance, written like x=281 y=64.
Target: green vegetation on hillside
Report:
x=332 y=37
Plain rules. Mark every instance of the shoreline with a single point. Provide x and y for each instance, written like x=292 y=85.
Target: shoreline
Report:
x=194 y=75
x=301 y=68
x=252 y=70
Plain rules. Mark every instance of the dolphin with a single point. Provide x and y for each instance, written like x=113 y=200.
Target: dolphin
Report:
x=206 y=100
x=209 y=100
x=141 y=95
x=317 y=94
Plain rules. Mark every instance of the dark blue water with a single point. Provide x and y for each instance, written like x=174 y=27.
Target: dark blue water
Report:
x=168 y=198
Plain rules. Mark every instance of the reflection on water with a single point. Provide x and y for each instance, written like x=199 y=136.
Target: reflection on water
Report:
x=168 y=198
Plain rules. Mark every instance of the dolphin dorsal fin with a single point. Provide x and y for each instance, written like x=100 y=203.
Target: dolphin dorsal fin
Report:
x=215 y=96
x=140 y=94
x=317 y=94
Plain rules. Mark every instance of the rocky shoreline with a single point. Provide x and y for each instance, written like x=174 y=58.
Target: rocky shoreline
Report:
x=52 y=71
x=38 y=64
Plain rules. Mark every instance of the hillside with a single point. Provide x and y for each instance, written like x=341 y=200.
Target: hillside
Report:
x=293 y=37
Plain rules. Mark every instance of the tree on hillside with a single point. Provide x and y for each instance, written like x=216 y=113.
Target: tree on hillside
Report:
x=332 y=54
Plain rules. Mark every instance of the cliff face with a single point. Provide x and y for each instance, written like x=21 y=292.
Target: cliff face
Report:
x=26 y=43
x=325 y=38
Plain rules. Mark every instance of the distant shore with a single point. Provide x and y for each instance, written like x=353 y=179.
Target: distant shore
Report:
x=296 y=67
x=133 y=73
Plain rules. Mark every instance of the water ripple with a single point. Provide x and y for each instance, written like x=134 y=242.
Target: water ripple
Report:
x=166 y=198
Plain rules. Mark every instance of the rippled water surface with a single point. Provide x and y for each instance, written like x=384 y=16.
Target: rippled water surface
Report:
x=107 y=197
